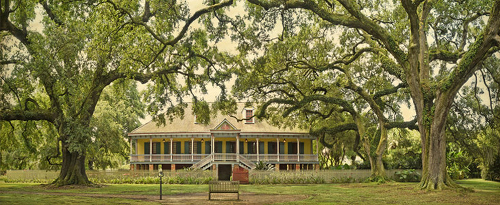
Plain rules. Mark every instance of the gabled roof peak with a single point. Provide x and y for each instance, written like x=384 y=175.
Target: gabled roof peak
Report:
x=225 y=125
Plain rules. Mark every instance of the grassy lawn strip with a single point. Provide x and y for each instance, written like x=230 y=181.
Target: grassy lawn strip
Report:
x=485 y=192
x=60 y=199
x=124 y=189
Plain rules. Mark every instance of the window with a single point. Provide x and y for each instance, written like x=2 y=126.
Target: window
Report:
x=187 y=147
x=249 y=116
x=177 y=147
x=230 y=147
x=166 y=148
x=292 y=148
x=272 y=148
x=156 y=148
x=252 y=147
x=198 y=147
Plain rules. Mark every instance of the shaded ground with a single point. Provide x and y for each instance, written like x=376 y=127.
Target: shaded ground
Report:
x=484 y=192
x=186 y=198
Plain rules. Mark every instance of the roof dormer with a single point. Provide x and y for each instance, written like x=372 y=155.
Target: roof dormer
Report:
x=248 y=115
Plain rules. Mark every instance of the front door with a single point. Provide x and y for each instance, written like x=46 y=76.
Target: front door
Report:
x=224 y=172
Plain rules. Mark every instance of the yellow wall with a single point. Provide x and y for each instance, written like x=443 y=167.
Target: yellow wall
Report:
x=307 y=143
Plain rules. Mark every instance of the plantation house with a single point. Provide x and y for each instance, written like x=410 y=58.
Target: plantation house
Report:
x=222 y=144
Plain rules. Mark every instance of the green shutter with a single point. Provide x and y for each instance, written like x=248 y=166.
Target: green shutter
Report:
x=242 y=147
x=177 y=147
x=282 y=148
x=261 y=148
x=290 y=147
x=198 y=147
x=271 y=147
x=301 y=147
x=228 y=147
x=187 y=147
x=218 y=147
x=158 y=147
x=208 y=148
x=146 y=148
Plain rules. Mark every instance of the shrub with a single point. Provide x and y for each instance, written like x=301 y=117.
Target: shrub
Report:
x=264 y=166
x=408 y=175
x=493 y=171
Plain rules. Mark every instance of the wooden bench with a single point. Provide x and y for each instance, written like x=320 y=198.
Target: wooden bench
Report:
x=223 y=187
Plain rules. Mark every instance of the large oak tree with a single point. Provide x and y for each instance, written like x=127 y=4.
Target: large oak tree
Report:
x=83 y=47
x=436 y=46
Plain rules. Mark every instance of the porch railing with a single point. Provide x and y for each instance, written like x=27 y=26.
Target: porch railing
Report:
x=167 y=157
x=223 y=157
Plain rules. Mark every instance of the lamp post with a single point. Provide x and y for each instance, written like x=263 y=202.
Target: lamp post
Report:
x=160 y=174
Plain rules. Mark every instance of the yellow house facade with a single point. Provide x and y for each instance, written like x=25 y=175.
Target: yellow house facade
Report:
x=224 y=143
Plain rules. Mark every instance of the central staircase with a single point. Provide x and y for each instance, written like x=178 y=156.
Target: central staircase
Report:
x=206 y=162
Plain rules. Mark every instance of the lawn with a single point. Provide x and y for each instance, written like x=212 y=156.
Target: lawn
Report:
x=485 y=192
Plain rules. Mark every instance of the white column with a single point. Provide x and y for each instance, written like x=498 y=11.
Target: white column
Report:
x=278 y=148
x=171 y=149
x=298 y=150
x=130 y=141
x=212 y=149
x=238 y=147
x=151 y=149
x=192 y=148
x=136 y=146
x=258 y=150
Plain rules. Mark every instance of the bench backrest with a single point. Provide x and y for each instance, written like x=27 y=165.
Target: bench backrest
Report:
x=223 y=186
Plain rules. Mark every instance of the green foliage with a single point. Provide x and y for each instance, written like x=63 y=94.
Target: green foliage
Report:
x=377 y=179
x=117 y=113
x=76 y=72
x=493 y=171
x=260 y=165
x=457 y=163
x=288 y=179
x=408 y=175
x=404 y=150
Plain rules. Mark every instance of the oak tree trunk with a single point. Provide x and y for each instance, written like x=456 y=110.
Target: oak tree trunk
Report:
x=375 y=158
x=73 y=168
x=434 y=174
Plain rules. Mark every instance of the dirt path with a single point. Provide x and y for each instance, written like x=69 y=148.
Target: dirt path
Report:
x=188 y=198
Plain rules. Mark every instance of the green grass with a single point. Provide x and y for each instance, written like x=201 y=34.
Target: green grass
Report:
x=485 y=192
x=123 y=189
x=390 y=193
x=55 y=199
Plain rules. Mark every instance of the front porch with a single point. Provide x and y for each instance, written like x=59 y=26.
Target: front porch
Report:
x=206 y=161
x=194 y=158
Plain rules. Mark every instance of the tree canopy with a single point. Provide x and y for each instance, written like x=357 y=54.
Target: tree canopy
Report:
x=58 y=74
x=430 y=47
